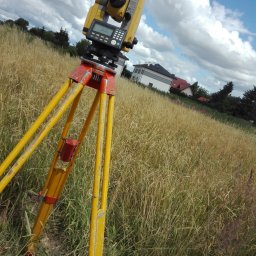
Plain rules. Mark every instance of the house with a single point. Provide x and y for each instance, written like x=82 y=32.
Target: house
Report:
x=153 y=75
x=182 y=86
x=120 y=64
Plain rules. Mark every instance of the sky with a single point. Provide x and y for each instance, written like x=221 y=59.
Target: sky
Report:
x=212 y=42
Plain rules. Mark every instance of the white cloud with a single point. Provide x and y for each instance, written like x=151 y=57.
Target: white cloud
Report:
x=152 y=38
x=53 y=14
x=202 y=41
x=230 y=19
x=210 y=36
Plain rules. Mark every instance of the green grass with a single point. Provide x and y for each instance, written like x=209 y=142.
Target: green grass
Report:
x=182 y=183
x=203 y=108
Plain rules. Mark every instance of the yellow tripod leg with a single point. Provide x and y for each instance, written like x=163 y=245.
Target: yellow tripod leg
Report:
x=48 y=109
x=35 y=143
x=97 y=177
x=65 y=131
x=81 y=137
x=105 y=179
x=46 y=208
x=61 y=141
x=56 y=181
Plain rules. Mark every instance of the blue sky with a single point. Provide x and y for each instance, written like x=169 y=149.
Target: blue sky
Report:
x=247 y=8
x=212 y=42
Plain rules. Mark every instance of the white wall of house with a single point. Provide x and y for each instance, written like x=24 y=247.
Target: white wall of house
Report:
x=188 y=92
x=119 y=70
x=148 y=81
x=120 y=66
x=136 y=75
x=151 y=79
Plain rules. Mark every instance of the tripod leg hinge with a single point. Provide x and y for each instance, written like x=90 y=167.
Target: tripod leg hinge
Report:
x=50 y=200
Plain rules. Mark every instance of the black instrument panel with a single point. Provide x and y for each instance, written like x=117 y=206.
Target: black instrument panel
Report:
x=107 y=34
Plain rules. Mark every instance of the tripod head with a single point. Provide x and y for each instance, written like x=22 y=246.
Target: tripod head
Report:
x=109 y=40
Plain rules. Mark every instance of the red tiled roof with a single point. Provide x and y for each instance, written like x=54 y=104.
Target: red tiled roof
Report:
x=180 y=84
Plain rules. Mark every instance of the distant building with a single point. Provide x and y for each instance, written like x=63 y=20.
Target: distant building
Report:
x=182 y=86
x=203 y=99
x=153 y=75
x=121 y=64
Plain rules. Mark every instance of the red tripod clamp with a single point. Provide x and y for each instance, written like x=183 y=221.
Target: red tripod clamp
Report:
x=68 y=150
x=103 y=78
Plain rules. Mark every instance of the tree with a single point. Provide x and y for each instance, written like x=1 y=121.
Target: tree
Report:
x=231 y=104
x=250 y=96
x=22 y=24
x=247 y=106
x=49 y=36
x=72 y=51
x=62 y=38
x=199 y=91
x=81 y=47
x=195 y=88
x=222 y=94
x=39 y=32
x=220 y=99
x=9 y=23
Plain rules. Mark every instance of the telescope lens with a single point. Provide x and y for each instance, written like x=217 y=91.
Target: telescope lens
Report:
x=117 y=3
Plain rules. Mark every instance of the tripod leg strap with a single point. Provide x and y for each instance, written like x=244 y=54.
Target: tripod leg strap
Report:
x=51 y=200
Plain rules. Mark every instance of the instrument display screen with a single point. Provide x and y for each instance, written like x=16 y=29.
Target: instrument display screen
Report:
x=103 y=30
x=107 y=34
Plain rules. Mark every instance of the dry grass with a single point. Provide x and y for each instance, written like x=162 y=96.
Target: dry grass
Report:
x=181 y=183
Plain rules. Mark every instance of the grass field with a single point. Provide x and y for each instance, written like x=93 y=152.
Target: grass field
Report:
x=181 y=184
x=213 y=113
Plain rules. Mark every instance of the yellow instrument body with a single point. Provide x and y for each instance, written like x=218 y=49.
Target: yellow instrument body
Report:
x=102 y=10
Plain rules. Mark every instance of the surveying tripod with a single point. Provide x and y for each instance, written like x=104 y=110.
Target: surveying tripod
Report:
x=102 y=79
x=96 y=71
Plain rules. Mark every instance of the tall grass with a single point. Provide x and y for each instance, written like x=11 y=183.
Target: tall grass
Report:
x=181 y=182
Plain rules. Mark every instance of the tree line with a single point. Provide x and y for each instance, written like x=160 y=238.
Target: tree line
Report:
x=242 y=107
x=59 y=40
